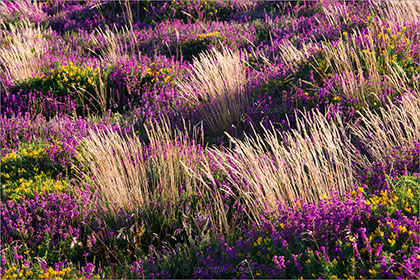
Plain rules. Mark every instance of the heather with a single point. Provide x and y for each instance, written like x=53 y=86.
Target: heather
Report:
x=209 y=139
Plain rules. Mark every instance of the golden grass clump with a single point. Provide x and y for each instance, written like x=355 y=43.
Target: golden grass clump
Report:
x=306 y=163
x=120 y=45
x=22 y=58
x=216 y=85
x=131 y=175
x=397 y=125
x=27 y=8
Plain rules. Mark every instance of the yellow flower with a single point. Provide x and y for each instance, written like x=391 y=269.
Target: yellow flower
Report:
x=372 y=272
x=409 y=193
x=402 y=229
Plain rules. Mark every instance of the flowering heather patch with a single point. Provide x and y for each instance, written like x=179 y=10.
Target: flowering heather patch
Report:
x=209 y=139
x=25 y=129
x=349 y=237
x=48 y=219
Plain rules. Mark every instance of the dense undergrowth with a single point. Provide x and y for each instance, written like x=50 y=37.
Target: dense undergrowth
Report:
x=210 y=139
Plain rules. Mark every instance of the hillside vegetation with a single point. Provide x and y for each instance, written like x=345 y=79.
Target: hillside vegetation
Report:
x=210 y=139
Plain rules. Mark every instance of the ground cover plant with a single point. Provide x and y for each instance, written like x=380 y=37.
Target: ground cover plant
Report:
x=210 y=139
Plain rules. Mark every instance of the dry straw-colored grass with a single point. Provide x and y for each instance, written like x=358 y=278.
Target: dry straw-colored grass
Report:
x=216 y=85
x=291 y=55
x=22 y=57
x=133 y=176
x=393 y=13
x=397 y=125
x=346 y=59
x=397 y=13
x=130 y=179
x=119 y=45
x=347 y=62
x=306 y=163
x=102 y=93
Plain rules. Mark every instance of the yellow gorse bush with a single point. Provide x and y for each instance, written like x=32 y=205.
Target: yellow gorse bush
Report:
x=71 y=75
x=66 y=273
x=203 y=36
x=160 y=75
x=11 y=162
x=392 y=200
x=27 y=171
x=40 y=184
x=16 y=272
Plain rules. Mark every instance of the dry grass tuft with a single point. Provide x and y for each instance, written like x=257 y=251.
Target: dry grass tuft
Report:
x=347 y=62
x=397 y=125
x=335 y=11
x=131 y=175
x=398 y=13
x=216 y=85
x=119 y=45
x=22 y=58
x=305 y=163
